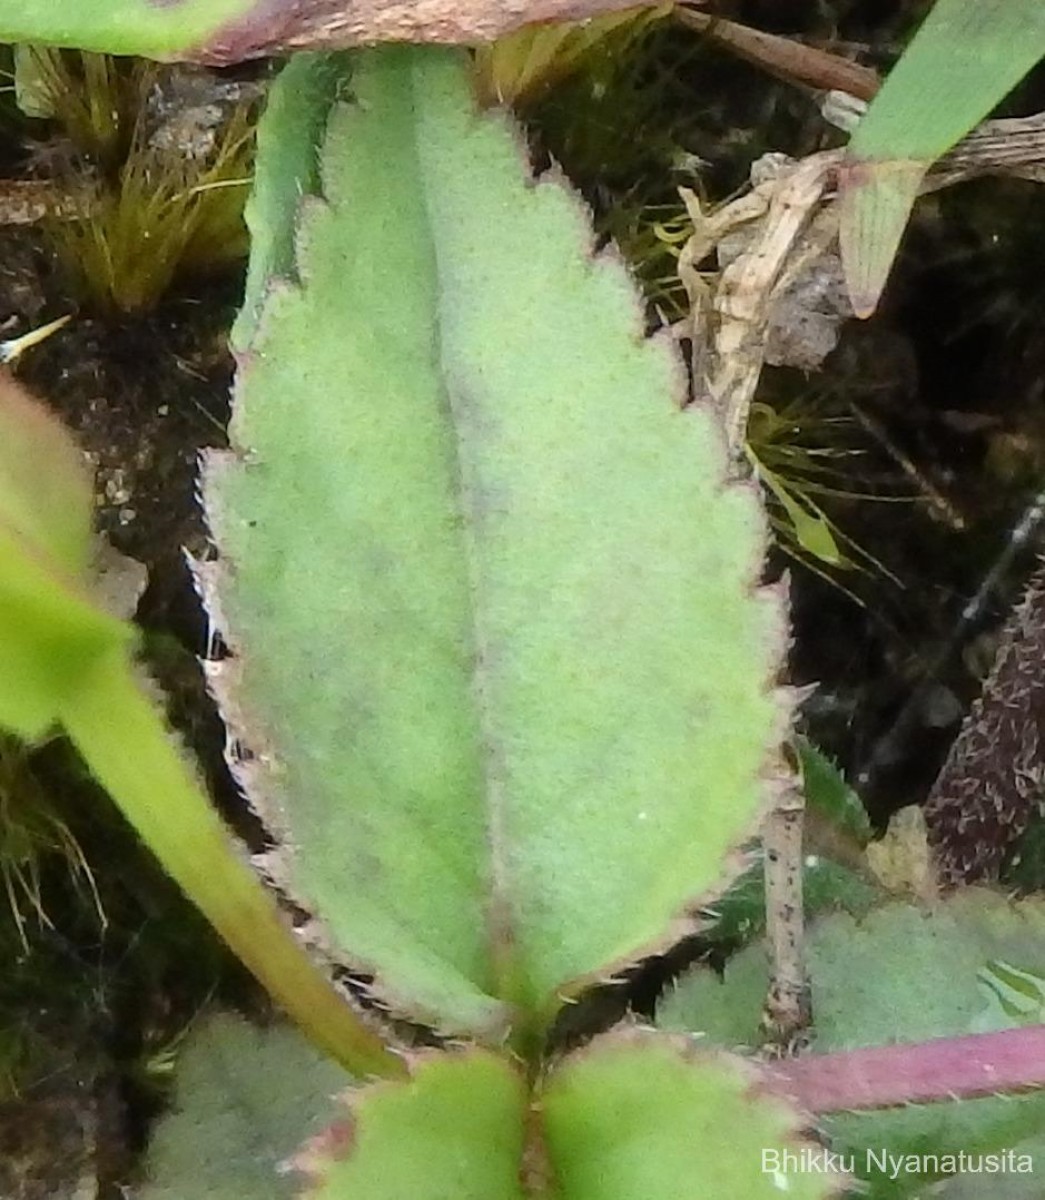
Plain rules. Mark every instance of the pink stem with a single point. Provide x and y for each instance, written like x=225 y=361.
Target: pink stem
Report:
x=979 y=1064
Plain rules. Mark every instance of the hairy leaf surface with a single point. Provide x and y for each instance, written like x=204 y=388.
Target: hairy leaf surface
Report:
x=633 y=1114
x=974 y=964
x=641 y=1114
x=455 y=1129
x=246 y=1099
x=498 y=659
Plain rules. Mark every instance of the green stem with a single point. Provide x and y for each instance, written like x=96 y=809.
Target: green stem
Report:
x=123 y=741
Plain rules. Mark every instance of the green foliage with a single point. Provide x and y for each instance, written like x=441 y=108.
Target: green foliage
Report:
x=554 y=663
x=64 y=662
x=232 y=1131
x=92 y=96
x=456 y=1129
x=962 y=62
x=56 y=633
x=922 y=974
x=827 y=884
x=118 y=26
x=650 y=238
x=288 y=141
x=806 y=456
x=633 y=1114
x=494 y=646
x=640 y=1115
x=165 y=216
x=499 y=667
x=502 y=674
x=828 y=793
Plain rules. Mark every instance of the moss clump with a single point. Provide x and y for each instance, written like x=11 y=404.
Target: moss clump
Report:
x=169 y=155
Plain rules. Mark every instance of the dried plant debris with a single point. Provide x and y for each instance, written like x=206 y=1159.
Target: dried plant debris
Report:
x=990 y=787
x=732 y=315
x=901 y=860
x=778 y=294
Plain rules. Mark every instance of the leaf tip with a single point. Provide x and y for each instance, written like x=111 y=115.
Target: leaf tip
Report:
x=875 y=203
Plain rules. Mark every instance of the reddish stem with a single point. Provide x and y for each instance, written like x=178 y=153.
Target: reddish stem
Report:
x=958 y=1068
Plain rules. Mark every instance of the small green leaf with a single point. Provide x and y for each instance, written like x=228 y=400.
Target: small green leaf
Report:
x=245 y=1100
x=828 y=794
x=963 y=61
x=454 y=1131
x=1020 y=992
x=33 y=93
x=638 y=1114
x=812 y=528
x=834 y=811
x=289 y=137
x=874 y=206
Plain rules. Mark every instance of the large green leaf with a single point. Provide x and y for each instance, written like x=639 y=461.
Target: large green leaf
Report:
x=963 y=61
x=499 y=660
x=455 y=1131
x=901 y=974
x=246 y=1099
x=638 y=1114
